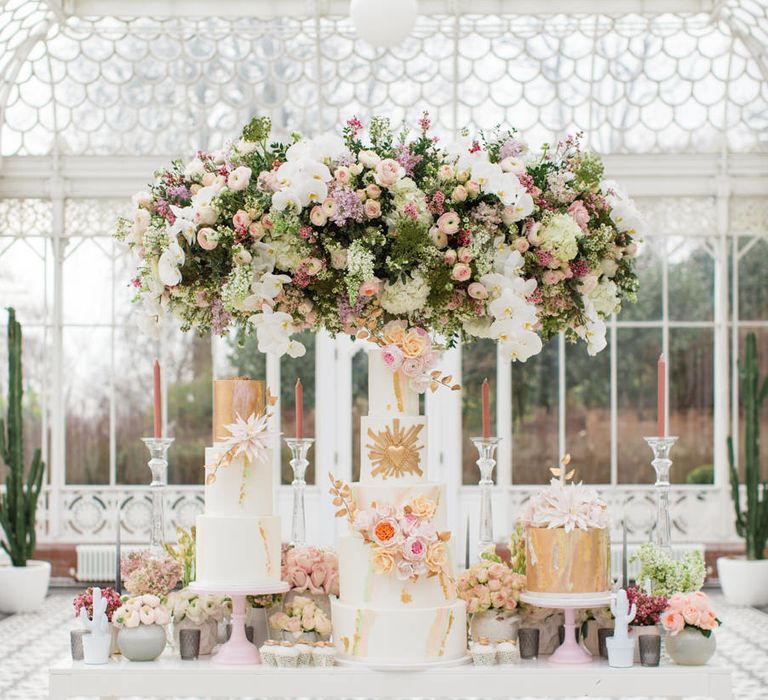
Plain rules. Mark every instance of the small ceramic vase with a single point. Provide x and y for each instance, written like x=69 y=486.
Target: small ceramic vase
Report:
x=76 y=643
x=528 y=638
x=189 y=643
x=690 y=647
x=639 y=631
x=208 y=633
x=142 y=643
x=649 y=648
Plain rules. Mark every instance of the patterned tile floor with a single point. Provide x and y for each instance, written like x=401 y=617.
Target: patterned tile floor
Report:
x=29 y=644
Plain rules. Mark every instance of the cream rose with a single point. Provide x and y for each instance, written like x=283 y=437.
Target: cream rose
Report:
x=415 y=343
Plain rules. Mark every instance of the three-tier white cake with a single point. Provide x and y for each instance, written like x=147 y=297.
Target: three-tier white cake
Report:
x=238 y=537
x=382 y=616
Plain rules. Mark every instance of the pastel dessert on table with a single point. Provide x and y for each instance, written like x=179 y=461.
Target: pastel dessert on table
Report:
x=568 y=544
x=506 y=652
x=483 y=652
x=324 y=654
x=238 y=537
x=398 y=601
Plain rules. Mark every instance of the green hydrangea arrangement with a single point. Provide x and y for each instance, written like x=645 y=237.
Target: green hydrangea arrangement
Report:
x=669 y=576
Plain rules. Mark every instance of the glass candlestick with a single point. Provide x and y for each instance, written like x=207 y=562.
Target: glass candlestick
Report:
x=158 y=465
x=299 y=463
x=486 y=447
x=661 y=463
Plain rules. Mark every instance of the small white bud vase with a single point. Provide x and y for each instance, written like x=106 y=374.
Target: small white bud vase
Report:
x=690 y=647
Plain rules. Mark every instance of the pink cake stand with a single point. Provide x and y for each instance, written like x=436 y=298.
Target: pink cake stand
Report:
x=238 y=651
x=570 y=651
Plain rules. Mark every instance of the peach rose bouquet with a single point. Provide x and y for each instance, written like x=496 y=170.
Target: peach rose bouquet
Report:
x=490 y=585
x=690 y=611
x=311 y=569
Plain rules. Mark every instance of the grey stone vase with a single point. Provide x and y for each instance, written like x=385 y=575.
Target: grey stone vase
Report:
x=142 y=643
x=690 y=647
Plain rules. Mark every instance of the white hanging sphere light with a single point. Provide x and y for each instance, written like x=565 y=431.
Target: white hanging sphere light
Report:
x=383 y=22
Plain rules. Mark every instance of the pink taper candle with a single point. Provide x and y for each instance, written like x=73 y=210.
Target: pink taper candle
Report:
x=299 y=410
x=486 y=409
x=158 y=402
x=661 y=430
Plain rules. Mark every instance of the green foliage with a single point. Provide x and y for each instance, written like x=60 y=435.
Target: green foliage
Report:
x=590 y=171
x=669 y=576
x=703 y=474
x=258 y=129
x=409 y=246
x=19 y=502
x=752 y=523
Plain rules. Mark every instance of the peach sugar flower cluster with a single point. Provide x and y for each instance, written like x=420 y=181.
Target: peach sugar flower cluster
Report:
x=690 y=610
x=402 y=540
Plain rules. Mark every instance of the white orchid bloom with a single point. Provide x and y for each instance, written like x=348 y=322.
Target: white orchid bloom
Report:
x=513 y=165
x=484 y=173
x=511 y=307
x=627 y=218
x=522 y=206
x=184 y=224
x=287 y=174
x=303 y=149
x=460 y=154
x=273 y=332
x=478 y=327
x=194 y=169
x=329 y=146
x=311 y=192
x=505 y=186
x=270 y=285
x=520 y=346
x=206 y=194
x=314 y=170
x=285 y=199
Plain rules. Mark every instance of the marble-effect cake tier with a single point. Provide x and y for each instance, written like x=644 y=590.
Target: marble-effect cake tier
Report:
x=560 y=562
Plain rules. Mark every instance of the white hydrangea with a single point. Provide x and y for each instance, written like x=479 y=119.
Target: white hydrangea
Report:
x=605 y=298
x=560 y=235
x=405 y=297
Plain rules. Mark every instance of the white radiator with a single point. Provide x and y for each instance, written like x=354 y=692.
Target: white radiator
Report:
x=97 y=562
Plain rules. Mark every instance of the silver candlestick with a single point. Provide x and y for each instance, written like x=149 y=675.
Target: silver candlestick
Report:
x=299 y=448
x=486 y=447
x=661 y=463
x=158 y=465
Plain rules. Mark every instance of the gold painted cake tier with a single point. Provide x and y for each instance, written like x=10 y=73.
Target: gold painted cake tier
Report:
x=567 y=562
x=235 y=397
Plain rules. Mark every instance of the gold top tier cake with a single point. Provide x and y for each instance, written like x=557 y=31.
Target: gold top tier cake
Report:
x=233 y=398
x=568 y=546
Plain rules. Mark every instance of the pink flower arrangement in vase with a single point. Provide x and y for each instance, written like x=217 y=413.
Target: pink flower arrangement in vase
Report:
x=143 y=575
x=692 y=611
x=311 y=569
x=85 y=600
x=490 y=585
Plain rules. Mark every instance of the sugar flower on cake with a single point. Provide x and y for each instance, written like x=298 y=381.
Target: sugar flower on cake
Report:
x=403 y=540
x=566 y=505
x=350 y=232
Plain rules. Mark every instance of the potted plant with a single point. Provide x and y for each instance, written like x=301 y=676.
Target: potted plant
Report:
x=301 y=619
x=689 y=621
x=23 y=584
x=745 y=579
x=648 y=612
x=491 y=591
x=110 y=601
x=141 y=621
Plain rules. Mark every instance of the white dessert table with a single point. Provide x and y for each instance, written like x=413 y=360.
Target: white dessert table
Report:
x=170 y=676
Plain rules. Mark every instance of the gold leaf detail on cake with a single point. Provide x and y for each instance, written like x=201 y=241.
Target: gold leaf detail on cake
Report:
x=405 y=597
x=345 y=642
x=267 y=555
x=394 y=451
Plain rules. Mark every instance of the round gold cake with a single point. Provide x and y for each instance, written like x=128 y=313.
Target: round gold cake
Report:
x=558 y=561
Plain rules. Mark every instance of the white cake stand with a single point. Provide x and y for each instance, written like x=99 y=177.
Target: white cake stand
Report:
x=569 y=652
x=238 y=650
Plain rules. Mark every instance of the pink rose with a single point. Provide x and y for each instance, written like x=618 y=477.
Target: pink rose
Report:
x=206 y=237
x=370 y=288
x=388 y=172
x=494 y=585
x=691 y=615
x=672 y=621
x=342 y=175
x=450 y=256
x=533 y=233
x=550 y=277
x=372 y=208
x=412 y=366
x=439 y=238
x=522 y=245
x=708 y=620
x=498 y=599
x=449 y=223
x=373 y=191
x=473 y=188
x=580 y=215
x=317 y=578
x=257 y=230
x=293 y=624
x=306 y=557
x=461 y=272
x=473 y=605
x=445 y=172
x=700 y=600
x=464 y=255
x=477 y=291
x=318 y=216
x=392 y=356
x=405 y=570
x=298 y=579
x=414 y=549
x=241 y=219
x=678 y=601
x=459 y=193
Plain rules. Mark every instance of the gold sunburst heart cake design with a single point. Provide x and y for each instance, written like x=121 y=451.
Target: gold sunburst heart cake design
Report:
x=394 y=451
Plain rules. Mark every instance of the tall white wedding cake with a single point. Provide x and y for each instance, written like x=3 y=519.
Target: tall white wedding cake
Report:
x=238 y=537
x=398 y=600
